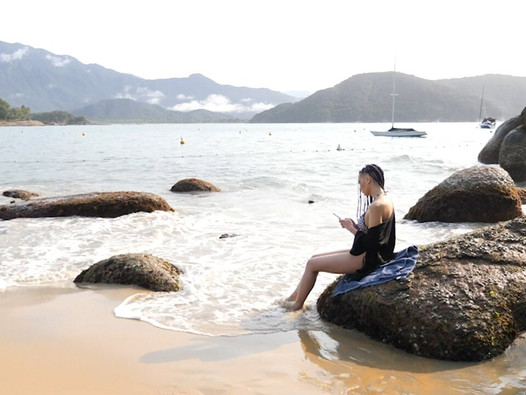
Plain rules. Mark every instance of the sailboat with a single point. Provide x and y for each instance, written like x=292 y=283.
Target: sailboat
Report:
x=398 y=132
x=487 y=122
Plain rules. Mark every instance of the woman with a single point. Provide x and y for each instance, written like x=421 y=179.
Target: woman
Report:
x=374 y=238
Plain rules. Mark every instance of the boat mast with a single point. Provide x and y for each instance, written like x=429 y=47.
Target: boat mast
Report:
x=481 y=104
x=393 y=95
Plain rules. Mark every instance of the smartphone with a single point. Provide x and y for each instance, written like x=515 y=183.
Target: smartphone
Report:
x=336 y=215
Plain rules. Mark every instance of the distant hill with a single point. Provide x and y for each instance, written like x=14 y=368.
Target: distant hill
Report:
x=43 y=81
x=367 y=98
x=131 y=111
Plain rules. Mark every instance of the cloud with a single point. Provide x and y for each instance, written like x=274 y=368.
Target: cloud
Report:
x=152 y=97
x=141 y=93
x=17 y=55
x=184 y=97
x=220 y=103
x=58 y=61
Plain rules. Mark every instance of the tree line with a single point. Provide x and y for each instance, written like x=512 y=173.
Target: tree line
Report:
x=9 y=113
x=23 y=113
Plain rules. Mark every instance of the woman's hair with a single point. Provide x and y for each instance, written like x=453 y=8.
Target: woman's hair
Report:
x=377 y=174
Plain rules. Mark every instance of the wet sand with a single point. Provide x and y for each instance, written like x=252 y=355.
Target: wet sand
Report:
x=67 y=341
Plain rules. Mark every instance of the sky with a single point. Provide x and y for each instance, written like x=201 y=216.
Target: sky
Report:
x=284 y=45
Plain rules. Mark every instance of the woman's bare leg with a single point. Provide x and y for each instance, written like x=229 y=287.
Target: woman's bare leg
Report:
x=330 y=253
x=338 y=262
x=293 y=296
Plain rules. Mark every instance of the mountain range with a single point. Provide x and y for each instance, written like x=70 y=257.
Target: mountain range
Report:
x=43 y=81
x=367 y=98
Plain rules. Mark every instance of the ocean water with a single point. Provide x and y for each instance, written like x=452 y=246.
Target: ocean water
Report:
x=268 y=174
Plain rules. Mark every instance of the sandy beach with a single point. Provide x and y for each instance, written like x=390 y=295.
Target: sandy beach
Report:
x=67 y=341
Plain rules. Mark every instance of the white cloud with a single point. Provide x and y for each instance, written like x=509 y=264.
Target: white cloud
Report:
x=152 y=97
x=17 y=55
x=58 y=61
x=141 y=94
x=220 y=103
x=184 y=97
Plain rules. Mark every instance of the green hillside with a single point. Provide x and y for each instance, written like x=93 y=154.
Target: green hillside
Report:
x=367 y=98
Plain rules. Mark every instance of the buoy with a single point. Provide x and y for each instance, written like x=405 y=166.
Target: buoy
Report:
x=182 y=141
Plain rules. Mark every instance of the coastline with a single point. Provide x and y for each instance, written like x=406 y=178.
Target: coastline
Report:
x=21 y=123
x=67 y=340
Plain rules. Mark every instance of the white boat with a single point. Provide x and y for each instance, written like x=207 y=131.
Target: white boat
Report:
x=487 y=122
x=398 y=132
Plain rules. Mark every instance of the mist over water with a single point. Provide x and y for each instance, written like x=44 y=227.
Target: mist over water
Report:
x=267 y=173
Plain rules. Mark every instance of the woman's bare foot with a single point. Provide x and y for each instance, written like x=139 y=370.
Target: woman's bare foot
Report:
x=296 y=306
x=287 y=304
x=292 y=297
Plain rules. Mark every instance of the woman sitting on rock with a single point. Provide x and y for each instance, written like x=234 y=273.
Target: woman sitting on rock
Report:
x=374 y=238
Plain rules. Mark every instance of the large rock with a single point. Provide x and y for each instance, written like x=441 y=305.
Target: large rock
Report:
x=143 y=270
x=193 y=185
x=490 y=153
x=464 y=301
x=508 y=147
x=512 y=156
x=476 y=194
x=101 y=204
x=20 y=194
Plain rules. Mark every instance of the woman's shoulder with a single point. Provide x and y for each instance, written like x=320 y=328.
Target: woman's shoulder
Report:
x=382 y=203
x=383 y=206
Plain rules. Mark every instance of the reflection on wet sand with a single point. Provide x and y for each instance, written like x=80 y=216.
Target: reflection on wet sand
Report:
x=346 y=361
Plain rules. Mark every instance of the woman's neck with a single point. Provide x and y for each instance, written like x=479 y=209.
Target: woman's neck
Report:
x=377 y=193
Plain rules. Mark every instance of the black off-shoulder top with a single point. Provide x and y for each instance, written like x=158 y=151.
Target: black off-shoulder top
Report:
x=378 y=244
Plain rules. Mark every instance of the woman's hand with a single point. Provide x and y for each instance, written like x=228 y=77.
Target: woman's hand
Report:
x=349 y=224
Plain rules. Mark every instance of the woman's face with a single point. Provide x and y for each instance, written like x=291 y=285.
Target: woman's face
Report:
x=363 y=180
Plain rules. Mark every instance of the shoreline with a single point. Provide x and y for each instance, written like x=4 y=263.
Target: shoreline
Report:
x=22 y=123
x=68 y=341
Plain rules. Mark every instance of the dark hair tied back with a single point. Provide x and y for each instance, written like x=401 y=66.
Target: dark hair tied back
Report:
x=376 y=173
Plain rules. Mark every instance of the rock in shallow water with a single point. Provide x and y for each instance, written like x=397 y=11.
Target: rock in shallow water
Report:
x=143 y=270
x=465 y=300
x=476 y=194
x=99 y=204
x=20 y=194
x=194 y=185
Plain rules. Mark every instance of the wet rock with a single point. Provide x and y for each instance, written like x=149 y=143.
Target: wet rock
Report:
x=512 y=156
x=143 y=270
x=476 y=194
x=20 y=194
x=508 y=147
x=99 y=204
x=227 y=235
x=464 y=301
x=194 y=184
x=490 y=153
